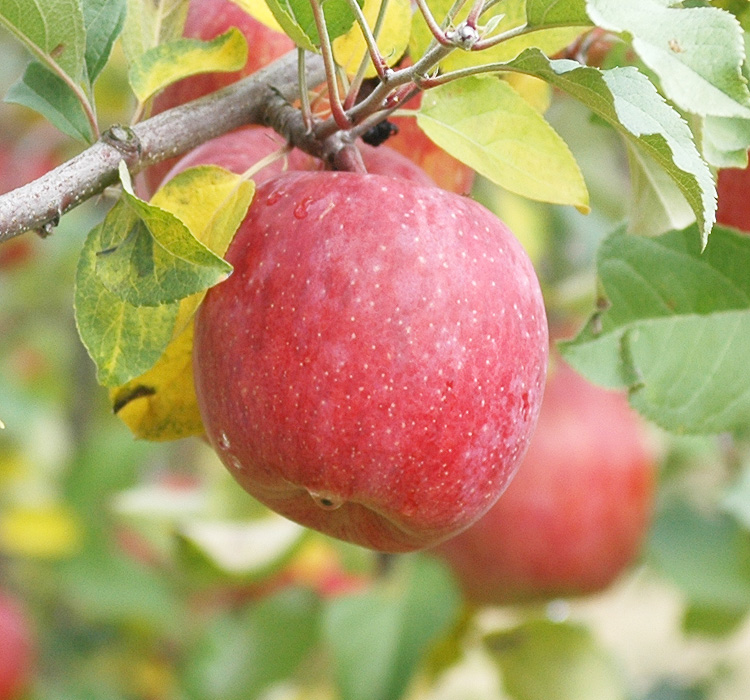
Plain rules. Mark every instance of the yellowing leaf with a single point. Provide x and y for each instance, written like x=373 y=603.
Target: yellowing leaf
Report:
x=166 y=63
x=155 y=259
x=213 y=217
x=392 y=39
x=534 y=90
x=123 y=340
x=484 y=123
x=161 y=404
x=258 y=9
x=46 y=531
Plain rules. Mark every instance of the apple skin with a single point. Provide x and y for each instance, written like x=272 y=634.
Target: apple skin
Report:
x=239 y=150
x=733 y=209
x=374 y=366
x=578 y=509
x=16 y=648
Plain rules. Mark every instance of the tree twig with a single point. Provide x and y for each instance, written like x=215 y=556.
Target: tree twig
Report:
x=263 y=98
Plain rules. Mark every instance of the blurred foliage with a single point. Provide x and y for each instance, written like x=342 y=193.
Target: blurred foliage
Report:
x=118 y=547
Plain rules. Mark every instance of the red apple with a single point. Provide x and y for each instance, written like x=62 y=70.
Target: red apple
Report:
x=16 y=648
x=16 y=252
x=577 y=511
x=239 y=150
x=374 y=366
x=733 y=188
x=207 y=19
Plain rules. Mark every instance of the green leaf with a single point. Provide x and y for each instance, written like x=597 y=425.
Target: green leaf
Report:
x=290 y=25
x=123 y=340
x=675 y=328
x=697 y=52
x=712 y=621
x=104 y=20
x=725 y=141
x=149 y=23
x=166 y=63
x=53 y=31
x=669 y=690
x=240 y=654
x=546 y=13
x=628 y=101
x=161 y=404
x=656 y=204
x=378 y=638
x=296 y=19
x=486 y=124
x=707 y=556
x=156 y=259
x=736 y=500
x=113 y=589
x=540 y=660
x=46 y=93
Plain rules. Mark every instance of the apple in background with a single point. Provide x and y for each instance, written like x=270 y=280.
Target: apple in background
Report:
x=575 y=515
x=239 y=150
x=733 y=187
x=16 y=252
x=24 y=157
x=207 y=19
x=16 y=648
x=374 y=366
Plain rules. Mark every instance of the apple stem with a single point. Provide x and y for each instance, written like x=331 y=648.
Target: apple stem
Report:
x=349 y=159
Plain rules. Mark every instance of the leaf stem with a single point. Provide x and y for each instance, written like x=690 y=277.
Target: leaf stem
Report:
x=474 y=14
x=264 y=162
x=436 y=30
x=337 y=109
x=370 y=37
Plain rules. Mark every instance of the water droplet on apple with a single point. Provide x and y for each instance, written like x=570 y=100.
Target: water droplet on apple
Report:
x=326 y=501
x=300 y=211
x=274 y=197
x=224 y=442
x=235 y=462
